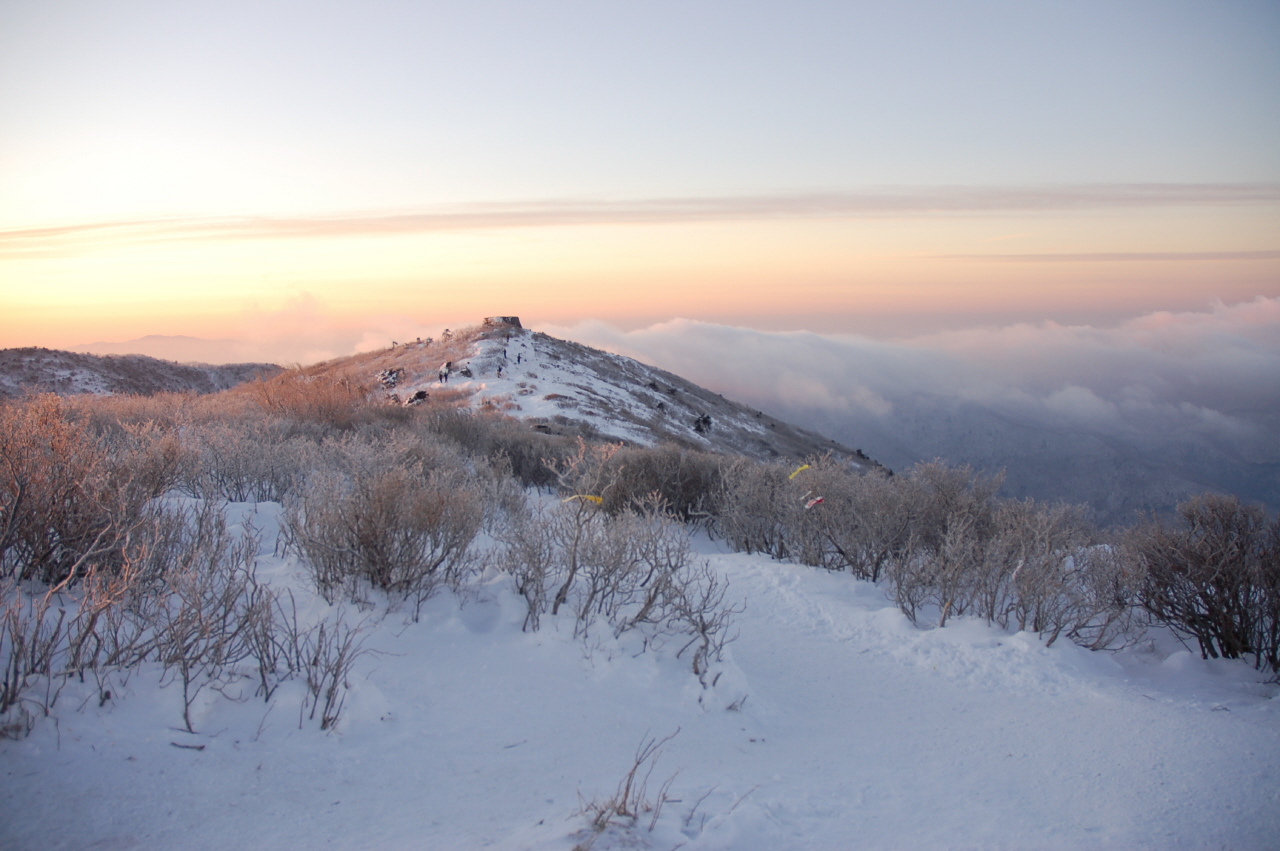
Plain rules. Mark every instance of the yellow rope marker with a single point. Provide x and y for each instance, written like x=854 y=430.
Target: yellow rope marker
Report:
x=596 y=499
x=798 y=470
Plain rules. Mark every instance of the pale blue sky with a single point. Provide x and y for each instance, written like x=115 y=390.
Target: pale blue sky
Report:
x=840 y=166
x=126 y=107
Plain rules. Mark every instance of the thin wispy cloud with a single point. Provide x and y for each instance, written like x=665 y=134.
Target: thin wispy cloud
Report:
x=1117 y=257
x=878 y=203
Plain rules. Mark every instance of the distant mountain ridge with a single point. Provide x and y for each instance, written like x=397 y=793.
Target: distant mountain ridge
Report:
x=40 y=370
x=177 y=348
x=563 y=387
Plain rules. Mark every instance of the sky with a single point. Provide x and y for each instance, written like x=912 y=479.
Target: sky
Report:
x=299 y=180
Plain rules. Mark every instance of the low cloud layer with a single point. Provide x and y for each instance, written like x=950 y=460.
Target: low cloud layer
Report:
x=1127 y=417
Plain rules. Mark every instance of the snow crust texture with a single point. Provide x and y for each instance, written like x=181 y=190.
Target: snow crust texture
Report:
x=834 y=724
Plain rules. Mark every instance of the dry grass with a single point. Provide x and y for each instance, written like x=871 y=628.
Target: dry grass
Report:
x=631 y=800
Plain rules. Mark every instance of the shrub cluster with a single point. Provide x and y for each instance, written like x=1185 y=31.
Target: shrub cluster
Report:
x=686 y=481
x=309 y=395
x=98 y=575
x=940 y=539
x=67 y=497
x=182 y=592
x=1214 y=576
x=399 y=516
x=633 y=569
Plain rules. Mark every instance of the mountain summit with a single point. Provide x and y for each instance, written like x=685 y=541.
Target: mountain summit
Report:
x=562 y=387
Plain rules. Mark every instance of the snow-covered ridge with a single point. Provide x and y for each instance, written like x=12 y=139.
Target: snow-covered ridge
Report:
x=69 y=373
x=560 y=386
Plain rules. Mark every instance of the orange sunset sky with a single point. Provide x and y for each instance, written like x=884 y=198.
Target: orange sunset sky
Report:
x=310 y=179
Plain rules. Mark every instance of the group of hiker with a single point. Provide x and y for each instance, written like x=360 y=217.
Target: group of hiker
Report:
x=446 y=368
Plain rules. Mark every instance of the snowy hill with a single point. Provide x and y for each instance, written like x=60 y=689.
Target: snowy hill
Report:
x=564 y=387
x=69 y=373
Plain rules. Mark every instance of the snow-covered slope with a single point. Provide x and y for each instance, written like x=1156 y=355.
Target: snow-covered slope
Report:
x=560 y=386
x=834 y=724
x=69 y=373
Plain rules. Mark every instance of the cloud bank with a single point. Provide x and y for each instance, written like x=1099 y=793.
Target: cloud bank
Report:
x=1126 y=418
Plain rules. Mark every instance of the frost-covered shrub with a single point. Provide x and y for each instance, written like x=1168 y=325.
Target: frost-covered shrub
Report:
x=942 y=540
x=1045 y=571
x=182 y=593
x=861 y=525
x=104 y=414
x=754 y=507
x=398 y=517
x=527 y=453
x=501 y=440
x=141 y=436
x=531 y=554
x=1108 y=584
x=151 y=456
x=201 y=616
x=635 y=570
x=1018 y=564
x=563 y=541
x=631 y=570
x=32 y=635
x=686 y=481
x=65 y=498
x=1215 y=576
x=258 y=460
x=953 y=519
x=192 y=602
x=333 y=401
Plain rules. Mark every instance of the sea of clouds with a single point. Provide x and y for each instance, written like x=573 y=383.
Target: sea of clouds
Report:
x=1126 y=418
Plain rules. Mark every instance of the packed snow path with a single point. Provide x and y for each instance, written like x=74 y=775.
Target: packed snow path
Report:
x=969 y=737
x=857 y=731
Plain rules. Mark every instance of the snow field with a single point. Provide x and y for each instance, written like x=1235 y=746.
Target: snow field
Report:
x=857 y=731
